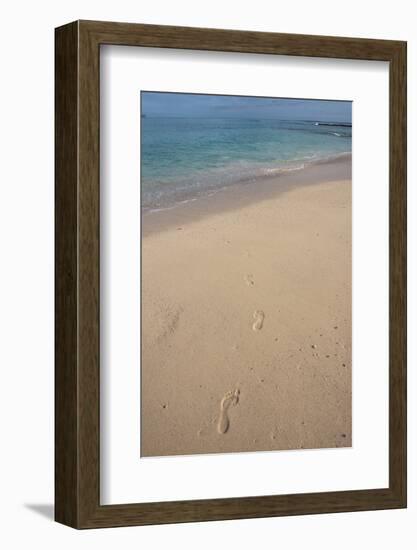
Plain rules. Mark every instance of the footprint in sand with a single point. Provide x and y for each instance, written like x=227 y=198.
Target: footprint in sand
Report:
x=249 y=280
x=231 y=398
x=259 y=317
x=169 y=319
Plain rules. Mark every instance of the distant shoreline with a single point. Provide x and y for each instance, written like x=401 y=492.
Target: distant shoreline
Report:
x=210 y=117
x=235 y=196
x=182 y=158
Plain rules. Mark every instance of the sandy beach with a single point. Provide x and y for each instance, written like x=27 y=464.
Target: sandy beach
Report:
x=246 y=317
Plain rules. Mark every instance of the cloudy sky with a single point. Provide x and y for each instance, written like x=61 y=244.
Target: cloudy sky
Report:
x=200 y=105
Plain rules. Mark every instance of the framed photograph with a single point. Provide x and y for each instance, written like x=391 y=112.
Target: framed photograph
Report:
x=230 y=274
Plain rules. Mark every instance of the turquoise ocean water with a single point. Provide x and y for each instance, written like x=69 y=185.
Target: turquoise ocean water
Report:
x=186 y=157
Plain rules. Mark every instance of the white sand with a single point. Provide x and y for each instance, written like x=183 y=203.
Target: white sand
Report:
x=246 y=316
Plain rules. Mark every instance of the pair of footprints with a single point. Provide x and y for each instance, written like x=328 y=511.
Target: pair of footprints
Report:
x=231 y=398
x=258 y=315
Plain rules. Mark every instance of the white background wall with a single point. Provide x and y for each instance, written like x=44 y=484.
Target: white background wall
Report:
x=26 y=272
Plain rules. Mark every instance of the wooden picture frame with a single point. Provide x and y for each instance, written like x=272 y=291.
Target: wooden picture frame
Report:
x=77 y=374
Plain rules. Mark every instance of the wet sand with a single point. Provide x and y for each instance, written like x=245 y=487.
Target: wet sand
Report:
x=246 y=318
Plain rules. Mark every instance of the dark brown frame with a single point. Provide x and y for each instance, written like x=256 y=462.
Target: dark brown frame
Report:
x=77 y=403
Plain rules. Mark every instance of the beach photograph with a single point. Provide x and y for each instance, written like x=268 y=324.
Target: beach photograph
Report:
x=246 y=284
